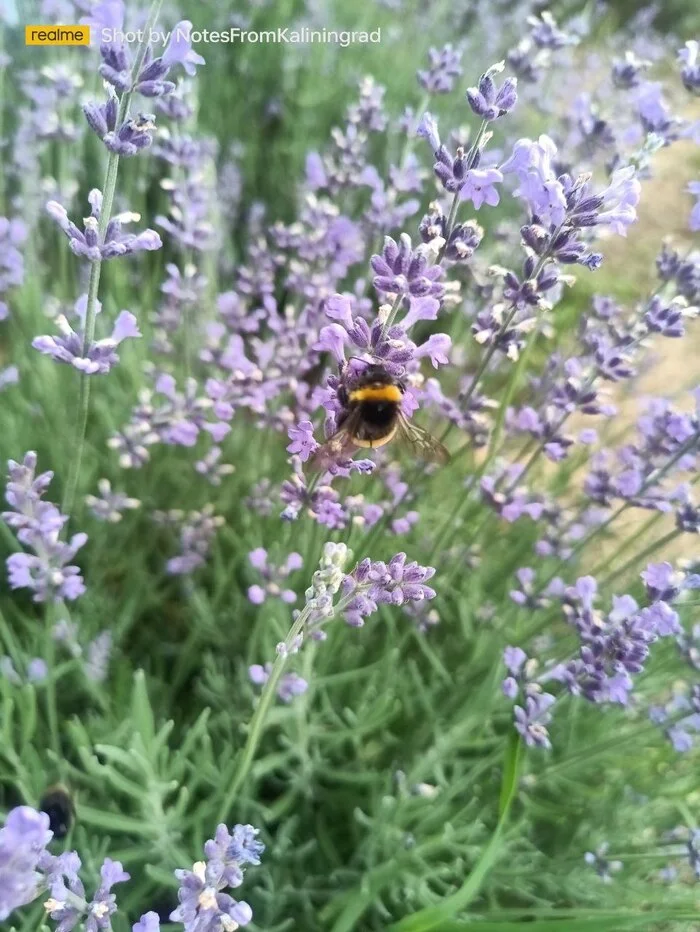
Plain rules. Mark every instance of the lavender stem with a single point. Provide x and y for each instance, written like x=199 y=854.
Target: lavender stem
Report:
x=108 y=191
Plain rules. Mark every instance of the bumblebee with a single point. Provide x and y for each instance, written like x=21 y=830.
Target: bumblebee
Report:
x=371 y=416
x=58 y=806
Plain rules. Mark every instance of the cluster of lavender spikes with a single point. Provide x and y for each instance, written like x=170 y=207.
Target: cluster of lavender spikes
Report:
x=48 y=571
x=28 y=870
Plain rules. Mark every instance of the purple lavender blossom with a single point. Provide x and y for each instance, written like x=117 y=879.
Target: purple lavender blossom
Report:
x=109 y=505
x=615 y=647
x=489 y=102
x=373 y=582
x=149 y=922
x=23 y=841
x=289 y=687
x=133 y=135
x=70 y=347
x=400 y=270
x=273 y=577
x=443 y=69
x=48 y=572
x=479 y=186
x=460 y=242
x=8 y=376
x=114 y=244
x=303 y=443
x=664 y=584
x=690 y=70
x=532 y=718
x=627 y=72
x=679 y=718
x=13 y=233
x=196 y=531
x=104 y=903
x=37 y=671
x=204 y=906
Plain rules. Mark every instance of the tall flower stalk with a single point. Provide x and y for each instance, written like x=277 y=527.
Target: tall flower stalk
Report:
x=108 y=192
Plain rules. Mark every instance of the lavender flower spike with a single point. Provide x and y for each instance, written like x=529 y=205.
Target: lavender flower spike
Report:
x=204 y=906
x=114 y=244
x=48 y=572
x=98 y=357
x=490 y=102
x=23 y=841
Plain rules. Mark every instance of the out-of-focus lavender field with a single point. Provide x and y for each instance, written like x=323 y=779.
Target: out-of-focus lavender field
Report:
x=448 y=681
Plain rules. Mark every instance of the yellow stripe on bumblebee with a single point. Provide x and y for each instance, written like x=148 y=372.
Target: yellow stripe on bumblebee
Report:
x=376 y=393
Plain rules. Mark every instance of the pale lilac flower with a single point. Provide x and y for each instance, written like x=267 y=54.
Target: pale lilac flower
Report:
x=204 y=906
x=98 y=357
x=273 y=577
x=196 y=531
x=149 y=922
x=479 y=186
x=490 y=102
x=104 y=903
x=109 y=505
x=115 y=242
x=690 y=70
x=211 y=467
x=620 y=199
x=179 y=50
x=23 y=841
x=289 y=687
x=443 y=69
x=303 y=443
x=428 y=129
x=7 y=669
x=8 y=376
x=532 y=718
x=48 y=573
x=374 y=582
x=532 y=163
x=13 y=233
x=37 y=670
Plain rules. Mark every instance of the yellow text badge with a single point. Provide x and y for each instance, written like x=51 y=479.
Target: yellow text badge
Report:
x=57 y=35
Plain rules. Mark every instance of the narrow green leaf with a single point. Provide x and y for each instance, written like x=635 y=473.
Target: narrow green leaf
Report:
x=141 y=711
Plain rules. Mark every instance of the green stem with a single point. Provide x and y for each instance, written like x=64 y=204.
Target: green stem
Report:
x=108 y=191
x=50 y=687
x=257 y=724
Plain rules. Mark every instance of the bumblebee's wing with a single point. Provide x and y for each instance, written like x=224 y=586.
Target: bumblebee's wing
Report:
x=421 y=442
x=339 y=446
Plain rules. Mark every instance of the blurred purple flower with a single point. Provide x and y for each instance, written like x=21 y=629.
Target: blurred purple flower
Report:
x=690 y=70
x=23 y=841
x=443 y=69
x=273 y=576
